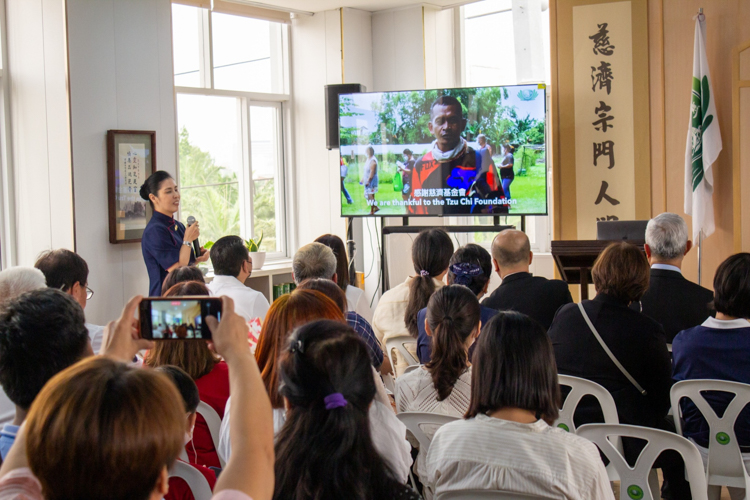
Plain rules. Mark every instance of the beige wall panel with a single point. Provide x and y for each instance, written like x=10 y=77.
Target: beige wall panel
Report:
x=745 y=65
x=744 y=164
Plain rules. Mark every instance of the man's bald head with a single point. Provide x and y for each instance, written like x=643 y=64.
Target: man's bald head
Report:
x=511 y=248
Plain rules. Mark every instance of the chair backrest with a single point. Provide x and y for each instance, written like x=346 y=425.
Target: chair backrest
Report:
x=196 y=481
x=399 y=344
x=410 y=368
x=486 y=494
x=634 y=481
x=413 y=420
x=580 y=387
x=725 y=465
x=213 y=421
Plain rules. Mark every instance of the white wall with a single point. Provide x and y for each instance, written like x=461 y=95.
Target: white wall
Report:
x=39 y=128
x=120 y=54
x=397 y=49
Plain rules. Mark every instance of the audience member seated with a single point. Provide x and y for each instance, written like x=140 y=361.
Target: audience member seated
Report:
x=42 y=332
x=122 y=428
x=621 y=275
x=355 y=297
x=353 y=319
x=181 y=275
x=671 y=299
x=325 y=449
x=287 y=313
x=17 y=280
x=314 y=260
x=719 y=349
x=444 y=384
x=470 y=266
x=178 y=488
x=534 y=296
x=232 y=266
x=67 y=271
x=507 y=442
x=398 y=308
x=210 y=374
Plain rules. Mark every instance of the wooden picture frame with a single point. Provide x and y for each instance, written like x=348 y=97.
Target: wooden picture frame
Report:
x=131 y=159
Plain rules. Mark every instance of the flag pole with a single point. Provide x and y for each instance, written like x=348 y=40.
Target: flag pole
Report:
x=700 y=255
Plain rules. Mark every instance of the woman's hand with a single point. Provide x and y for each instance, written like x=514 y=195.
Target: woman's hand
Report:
x=204 y=256
x=122 y=338
x=192 y=232
x=230 y=335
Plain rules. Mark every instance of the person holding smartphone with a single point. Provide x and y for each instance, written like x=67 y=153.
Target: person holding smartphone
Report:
x=166 y=243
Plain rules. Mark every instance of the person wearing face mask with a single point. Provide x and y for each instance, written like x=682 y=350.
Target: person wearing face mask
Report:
x=166 y=243
x=178 y=488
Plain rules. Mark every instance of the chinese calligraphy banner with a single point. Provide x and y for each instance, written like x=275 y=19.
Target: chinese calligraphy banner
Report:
x=600 y=114
x=604 y=132
x=130 y=158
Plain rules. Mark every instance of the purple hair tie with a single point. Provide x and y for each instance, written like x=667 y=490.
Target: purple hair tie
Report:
x=424 y=273
x=335 y=400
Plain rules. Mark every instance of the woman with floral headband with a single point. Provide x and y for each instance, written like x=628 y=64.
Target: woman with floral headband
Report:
x=470 y=266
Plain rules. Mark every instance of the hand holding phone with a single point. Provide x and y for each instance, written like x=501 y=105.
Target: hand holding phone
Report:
x=178 y=318
x=122 y=340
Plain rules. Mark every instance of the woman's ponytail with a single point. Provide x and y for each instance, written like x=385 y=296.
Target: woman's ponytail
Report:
x=453 y=314
x=430 y=254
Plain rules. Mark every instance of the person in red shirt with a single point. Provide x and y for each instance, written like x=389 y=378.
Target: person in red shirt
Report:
x=178 y=488
x=210 y=374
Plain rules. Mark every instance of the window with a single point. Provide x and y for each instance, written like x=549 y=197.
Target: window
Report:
x=231 y=83
x=491 y=45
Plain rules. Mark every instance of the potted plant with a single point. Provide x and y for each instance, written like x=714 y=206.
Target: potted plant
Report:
x=256 y=255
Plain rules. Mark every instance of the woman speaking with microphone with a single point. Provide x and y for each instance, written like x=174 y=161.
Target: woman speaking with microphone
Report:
x=166 y=243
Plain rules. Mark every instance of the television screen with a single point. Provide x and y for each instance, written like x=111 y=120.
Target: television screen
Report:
x=466 y=151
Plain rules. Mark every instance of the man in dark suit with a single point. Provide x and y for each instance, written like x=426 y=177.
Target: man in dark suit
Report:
x=671 y=299
x=537 y=297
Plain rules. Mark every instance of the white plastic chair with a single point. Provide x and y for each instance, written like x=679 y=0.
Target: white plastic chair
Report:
x=725 y=466
x=213 y=420
x=580 y=387
x=486 y=494
x=641 y=482
x=195 y=480
x=399 y=344
x=413 y=420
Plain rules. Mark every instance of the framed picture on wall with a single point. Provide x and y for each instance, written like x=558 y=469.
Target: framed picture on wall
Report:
x=131 y=158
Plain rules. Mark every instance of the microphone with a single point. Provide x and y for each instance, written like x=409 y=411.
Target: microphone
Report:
x=196 y=245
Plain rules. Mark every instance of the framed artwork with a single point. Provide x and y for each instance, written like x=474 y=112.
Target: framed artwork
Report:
x=131 y=159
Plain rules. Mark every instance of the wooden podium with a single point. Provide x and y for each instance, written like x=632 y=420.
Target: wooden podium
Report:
x=574 y=260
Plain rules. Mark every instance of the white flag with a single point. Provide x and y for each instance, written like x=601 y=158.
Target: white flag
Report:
x=703 y=140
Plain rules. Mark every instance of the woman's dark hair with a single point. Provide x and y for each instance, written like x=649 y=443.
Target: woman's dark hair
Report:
x=342 y=262
x=327 y=288
x=470 y=266
x=514 y=367
x=320 y=451
x=181 y=275
x=185 y=385
x=430 y=254
x=152 y=185
x=621 y=271
x=453 y=315
x=732 y=286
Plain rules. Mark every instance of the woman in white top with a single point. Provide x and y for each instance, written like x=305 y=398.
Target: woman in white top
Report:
x=507 y=442
x=444 y=384
x=355 y=297
x=397 y=310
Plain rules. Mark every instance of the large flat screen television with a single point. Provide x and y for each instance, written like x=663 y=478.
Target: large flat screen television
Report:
x=444 y=152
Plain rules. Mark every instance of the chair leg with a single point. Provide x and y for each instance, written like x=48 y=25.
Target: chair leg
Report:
x=714 y=492
x=653 y=484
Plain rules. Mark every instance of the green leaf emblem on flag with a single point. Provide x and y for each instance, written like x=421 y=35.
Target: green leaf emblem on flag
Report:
x=701 y=97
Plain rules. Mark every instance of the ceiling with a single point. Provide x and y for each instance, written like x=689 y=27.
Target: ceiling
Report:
x=370 y=5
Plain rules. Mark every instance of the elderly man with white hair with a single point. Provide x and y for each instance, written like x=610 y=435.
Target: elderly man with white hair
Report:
x=17 y=280
x=671 y=299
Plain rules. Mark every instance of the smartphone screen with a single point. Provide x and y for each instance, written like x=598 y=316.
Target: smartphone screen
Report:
x=178 y=318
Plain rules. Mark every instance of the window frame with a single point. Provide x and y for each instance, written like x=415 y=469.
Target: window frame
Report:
x=246 y=100
x=8 y=256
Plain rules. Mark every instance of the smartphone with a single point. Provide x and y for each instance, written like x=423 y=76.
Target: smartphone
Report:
x=178 y=318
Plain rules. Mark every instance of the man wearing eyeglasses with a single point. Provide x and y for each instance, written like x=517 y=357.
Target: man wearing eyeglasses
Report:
x=67 y=271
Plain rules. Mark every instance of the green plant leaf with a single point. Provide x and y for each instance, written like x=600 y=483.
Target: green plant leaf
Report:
x=207 y=245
